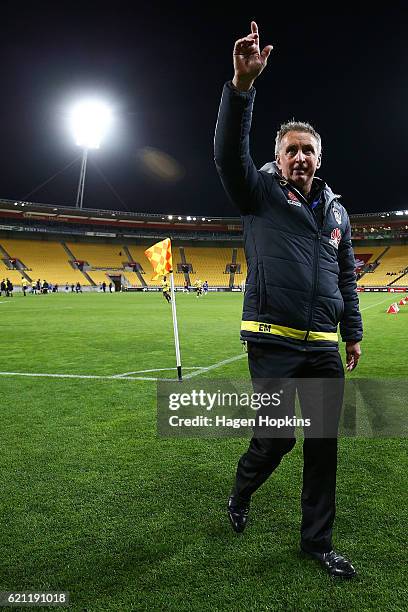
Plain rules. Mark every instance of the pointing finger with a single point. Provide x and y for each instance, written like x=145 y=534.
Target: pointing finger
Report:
x=254 y=27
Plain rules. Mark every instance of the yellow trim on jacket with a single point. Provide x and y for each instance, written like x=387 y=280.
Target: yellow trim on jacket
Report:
x=287 y=332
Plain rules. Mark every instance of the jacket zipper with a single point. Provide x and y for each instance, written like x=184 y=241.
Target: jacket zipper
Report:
x=262 y=290
x=315 y=274
x=318 y=238
x=316 y=267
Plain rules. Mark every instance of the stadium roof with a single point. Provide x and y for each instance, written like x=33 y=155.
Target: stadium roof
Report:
x=17 y=208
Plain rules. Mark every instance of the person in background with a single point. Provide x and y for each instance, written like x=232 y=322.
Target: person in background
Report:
x=199 y=287
x=166 y=289
x=9 y=288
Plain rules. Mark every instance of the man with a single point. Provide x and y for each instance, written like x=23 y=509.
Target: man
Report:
x=166 y=290
x=199 y=287
x=9 y=288
x=24 y=286
x=300 y=285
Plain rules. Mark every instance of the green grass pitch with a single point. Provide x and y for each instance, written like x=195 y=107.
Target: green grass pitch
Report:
x=94 y=503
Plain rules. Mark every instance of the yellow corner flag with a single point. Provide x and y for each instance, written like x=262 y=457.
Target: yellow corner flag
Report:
x=159 y=256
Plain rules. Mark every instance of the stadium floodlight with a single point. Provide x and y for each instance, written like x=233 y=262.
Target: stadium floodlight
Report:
x=90 y=120
x=170 y=217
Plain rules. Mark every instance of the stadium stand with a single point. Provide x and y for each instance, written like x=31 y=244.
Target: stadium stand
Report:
x=13 y=275
x=209 y=264
x=93 y=246
x=97 y=255
x=51 y=261
x=42 y=259
x=242 y=261
x=391 y=267
x=373 y=252
x=102 y=260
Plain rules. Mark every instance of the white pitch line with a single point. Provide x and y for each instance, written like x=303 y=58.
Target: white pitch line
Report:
x=216 y=365
x=123 y=377
x=376 y=304
x=157 y=370
x=91 y=376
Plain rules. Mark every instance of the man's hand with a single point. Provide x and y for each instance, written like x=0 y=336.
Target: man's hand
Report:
x=249 y=61
x=353 y=354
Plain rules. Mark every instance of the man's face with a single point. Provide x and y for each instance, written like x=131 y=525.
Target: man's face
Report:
x=298 y=159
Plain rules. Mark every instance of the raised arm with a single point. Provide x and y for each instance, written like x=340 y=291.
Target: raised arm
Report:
x=231 y=146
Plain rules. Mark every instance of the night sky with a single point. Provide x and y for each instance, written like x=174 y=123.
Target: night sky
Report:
x=162 y=68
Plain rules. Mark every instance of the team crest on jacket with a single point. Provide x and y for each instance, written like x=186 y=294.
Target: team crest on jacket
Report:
x=292 y=199
x=335 y=237
x=337 y=215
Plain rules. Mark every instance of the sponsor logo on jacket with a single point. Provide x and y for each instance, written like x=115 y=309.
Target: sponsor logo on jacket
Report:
x=292 y=199
x=335 y=237
x=337 y=215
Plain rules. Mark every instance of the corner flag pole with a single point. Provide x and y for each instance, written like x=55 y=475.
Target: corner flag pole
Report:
x=161 y=259
x=175 y=328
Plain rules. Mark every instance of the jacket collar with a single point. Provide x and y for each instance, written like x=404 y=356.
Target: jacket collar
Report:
x=329 y=195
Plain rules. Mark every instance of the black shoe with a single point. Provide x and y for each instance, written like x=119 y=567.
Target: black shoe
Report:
x=238 y=512
x=335 y=564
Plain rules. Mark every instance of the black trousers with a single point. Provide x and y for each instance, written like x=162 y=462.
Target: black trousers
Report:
x=267 y=363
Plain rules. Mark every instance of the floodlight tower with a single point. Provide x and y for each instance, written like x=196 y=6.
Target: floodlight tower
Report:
x=90 y=120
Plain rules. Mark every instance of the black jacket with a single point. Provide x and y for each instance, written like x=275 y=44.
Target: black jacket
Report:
x=301 y=278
